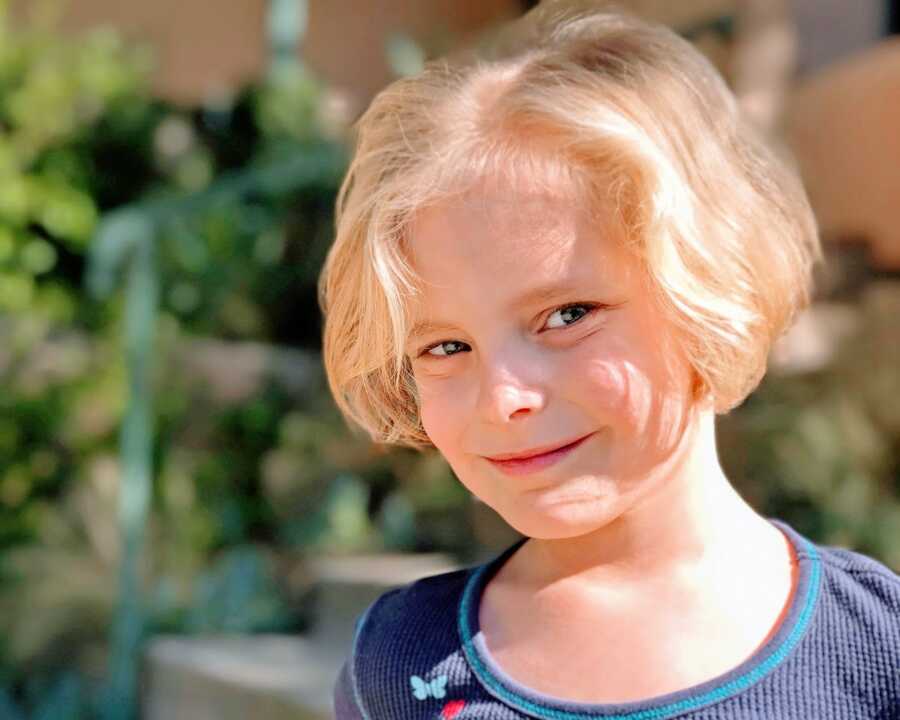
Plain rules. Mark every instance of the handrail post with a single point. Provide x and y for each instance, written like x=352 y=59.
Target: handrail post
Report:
x=136 y=452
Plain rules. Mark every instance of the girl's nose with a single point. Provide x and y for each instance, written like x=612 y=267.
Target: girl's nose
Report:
x=504 y=399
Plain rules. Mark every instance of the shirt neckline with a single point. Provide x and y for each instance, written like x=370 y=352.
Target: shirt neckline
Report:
x=766 y=659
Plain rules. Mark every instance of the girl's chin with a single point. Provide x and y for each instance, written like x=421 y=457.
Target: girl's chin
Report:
x=558 y=521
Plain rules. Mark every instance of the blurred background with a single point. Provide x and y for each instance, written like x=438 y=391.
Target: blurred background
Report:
x=187 y=529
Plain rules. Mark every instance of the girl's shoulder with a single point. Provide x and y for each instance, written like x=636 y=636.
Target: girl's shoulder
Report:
x=865 y=588
x=851 y=566
x=856 y=563
x=405 y=644
x=850 y=583
x=412 y=612
x=856 y=634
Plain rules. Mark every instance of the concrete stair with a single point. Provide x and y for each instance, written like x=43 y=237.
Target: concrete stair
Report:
x=275 y=677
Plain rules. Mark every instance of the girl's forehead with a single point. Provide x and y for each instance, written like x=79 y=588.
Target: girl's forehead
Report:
x=494 y=233
x=498 y=215
x=495 y=246
x=518 y=212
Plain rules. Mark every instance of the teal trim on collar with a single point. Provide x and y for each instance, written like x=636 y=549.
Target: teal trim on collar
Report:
x=725 y=686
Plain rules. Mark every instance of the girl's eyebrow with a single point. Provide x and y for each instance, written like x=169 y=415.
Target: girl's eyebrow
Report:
x=540 y=294
x=426 y=328
x=546 y=293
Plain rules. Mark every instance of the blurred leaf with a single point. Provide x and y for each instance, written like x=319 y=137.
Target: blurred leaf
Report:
x=405 y=56
x=398 y=522
x=346 y=509
x=287 y=105
x=61 y=701
x=237 y=594
x=9 y=710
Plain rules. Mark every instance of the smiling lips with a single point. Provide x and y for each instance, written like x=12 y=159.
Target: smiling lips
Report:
x=523 y=463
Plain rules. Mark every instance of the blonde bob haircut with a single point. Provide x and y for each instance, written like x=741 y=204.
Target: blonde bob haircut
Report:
x=622 y=109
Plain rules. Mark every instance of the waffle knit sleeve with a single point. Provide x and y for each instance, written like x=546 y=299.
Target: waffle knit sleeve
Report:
x=345 y=705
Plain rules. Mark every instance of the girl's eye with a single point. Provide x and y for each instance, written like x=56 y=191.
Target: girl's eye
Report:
x=569 y=315
x=446 y=348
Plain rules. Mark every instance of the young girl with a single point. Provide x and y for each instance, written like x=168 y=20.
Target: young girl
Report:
x=556 y=266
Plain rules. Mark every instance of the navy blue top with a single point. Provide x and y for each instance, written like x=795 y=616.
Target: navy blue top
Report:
x=418 y=653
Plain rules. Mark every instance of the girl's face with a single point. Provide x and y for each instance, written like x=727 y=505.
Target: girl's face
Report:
x=534 y=329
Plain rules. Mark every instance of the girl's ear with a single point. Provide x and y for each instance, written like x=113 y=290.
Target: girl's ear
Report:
x=696 y=384
x=700 y=393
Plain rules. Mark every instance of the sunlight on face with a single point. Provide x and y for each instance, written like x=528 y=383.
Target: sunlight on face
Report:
x=535 y=328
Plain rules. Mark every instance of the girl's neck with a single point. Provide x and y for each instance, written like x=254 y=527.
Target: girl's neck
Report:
x=690 y=518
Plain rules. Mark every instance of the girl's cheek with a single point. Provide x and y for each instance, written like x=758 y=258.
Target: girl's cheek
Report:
x=438 y=412
x=603 y=368
x=620 y=389
x=646 y=398
x=607 y=380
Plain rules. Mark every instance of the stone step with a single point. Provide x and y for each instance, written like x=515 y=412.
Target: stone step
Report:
x=275 y=677
x=266 y=677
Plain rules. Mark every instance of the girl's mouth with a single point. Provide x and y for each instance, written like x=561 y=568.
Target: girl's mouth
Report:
x=533 y=463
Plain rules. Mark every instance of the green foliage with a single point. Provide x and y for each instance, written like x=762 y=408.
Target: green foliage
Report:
x=80 y=135
x=238 y=593
x=63 y=106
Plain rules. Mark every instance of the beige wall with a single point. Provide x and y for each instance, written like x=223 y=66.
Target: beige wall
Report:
x=203 y=47
x=843 y=126
x=346 y=38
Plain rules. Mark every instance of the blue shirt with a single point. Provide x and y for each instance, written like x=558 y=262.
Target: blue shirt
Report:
x=418 y=653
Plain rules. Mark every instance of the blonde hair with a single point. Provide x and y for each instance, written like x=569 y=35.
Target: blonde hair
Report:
x=622 y=108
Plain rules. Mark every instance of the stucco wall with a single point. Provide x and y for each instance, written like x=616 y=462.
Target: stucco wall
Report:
x=205 y=47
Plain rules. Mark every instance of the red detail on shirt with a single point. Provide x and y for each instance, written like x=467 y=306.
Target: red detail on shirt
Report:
x=452 y=708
